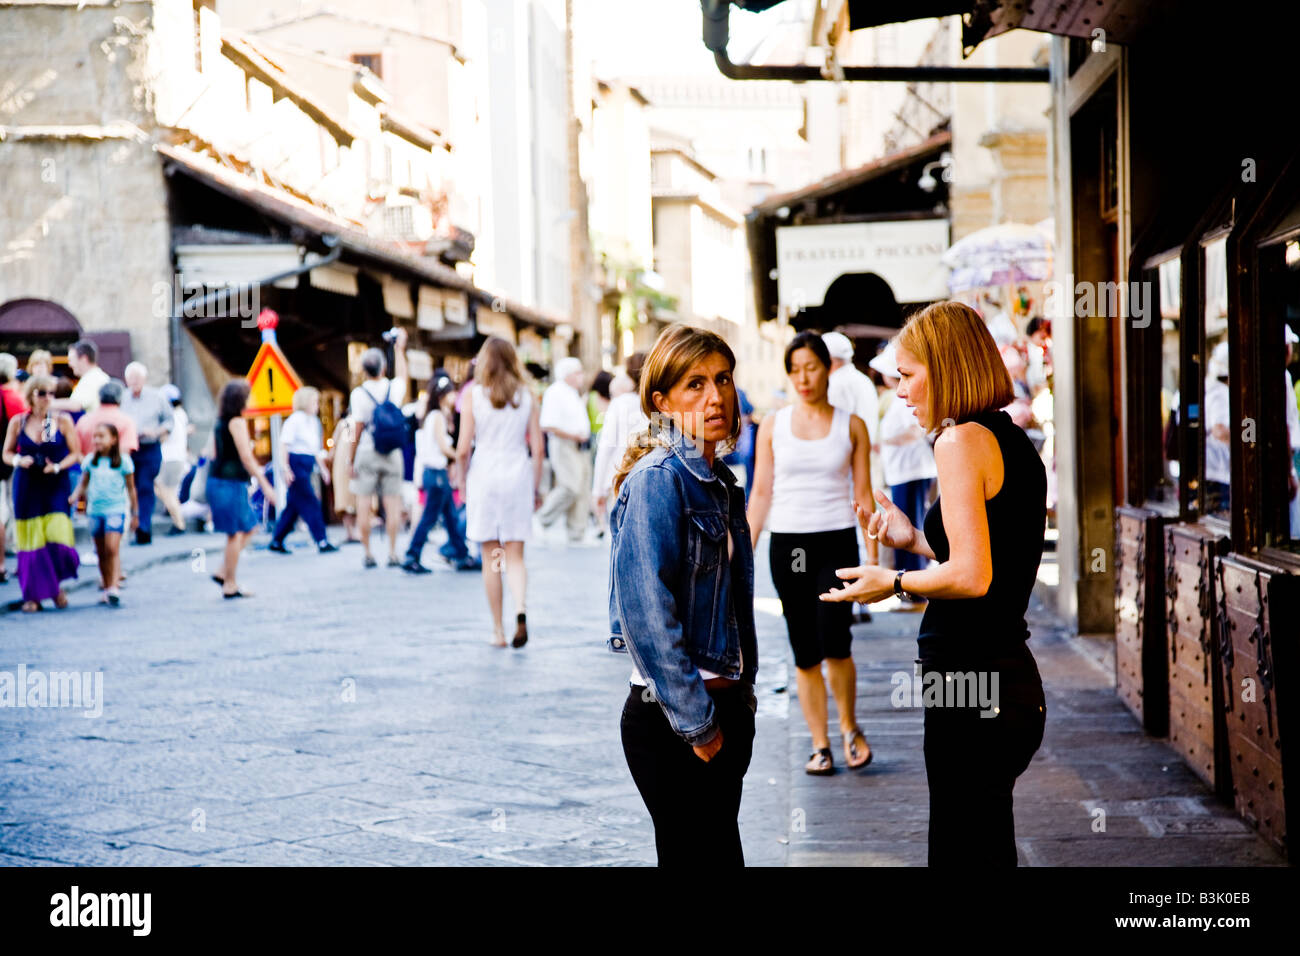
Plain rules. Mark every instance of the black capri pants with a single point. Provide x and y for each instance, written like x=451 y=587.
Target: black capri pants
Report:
x=803 y=567
x=972 y=762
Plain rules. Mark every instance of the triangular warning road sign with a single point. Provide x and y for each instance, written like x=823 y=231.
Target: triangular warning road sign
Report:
x=273 y=383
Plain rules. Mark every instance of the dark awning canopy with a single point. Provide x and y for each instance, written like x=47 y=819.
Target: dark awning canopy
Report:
x=1122 y=20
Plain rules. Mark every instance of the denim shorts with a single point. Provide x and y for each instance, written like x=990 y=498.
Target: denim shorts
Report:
x=231 y=511
x=101 y=525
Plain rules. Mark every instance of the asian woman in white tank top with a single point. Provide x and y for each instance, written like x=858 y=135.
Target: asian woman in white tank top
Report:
x=812 y=464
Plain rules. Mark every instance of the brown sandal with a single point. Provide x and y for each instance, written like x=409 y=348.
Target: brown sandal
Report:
x=820 y=764
x=851 y=750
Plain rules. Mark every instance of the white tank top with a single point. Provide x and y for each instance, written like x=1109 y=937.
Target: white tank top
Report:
x=812 y=479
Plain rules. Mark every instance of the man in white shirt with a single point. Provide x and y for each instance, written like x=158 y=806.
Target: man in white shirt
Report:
x=854 y=392
x=623 y=418
x=908 y=462
x=82 y=359
x=373 y=472
x=152 y=415
x=564 y=419
x=1218 y=454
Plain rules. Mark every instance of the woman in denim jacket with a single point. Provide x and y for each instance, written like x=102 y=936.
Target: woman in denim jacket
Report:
x=681 y=602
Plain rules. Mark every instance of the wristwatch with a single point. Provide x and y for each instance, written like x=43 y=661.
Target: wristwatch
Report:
x=898 y=584
x=58 y=467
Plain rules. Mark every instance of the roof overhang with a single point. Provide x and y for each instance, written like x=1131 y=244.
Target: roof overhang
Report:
x=355 y=243
x=1120 y=21
x=248 y=59
x=850 y=178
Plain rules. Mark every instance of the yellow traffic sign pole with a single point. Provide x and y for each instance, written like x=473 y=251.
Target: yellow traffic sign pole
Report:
x=267 y=322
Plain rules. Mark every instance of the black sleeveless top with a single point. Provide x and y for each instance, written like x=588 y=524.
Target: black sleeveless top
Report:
x=227 y=464
x=958 y=629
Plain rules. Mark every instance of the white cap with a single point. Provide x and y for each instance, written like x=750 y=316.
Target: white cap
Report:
x=885 y=363
x=1291 y=337
x=566 y=367
x=1218 y=364
x=839 y=345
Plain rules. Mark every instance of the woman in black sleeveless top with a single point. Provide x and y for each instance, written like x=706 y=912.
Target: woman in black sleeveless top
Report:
x=980 y=687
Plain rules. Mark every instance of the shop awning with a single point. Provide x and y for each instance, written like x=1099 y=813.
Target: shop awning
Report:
x=356 y=244
x=37 y=317
x=1121 y=20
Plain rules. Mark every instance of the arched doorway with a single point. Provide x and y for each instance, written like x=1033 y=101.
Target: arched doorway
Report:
x=853 y=298
x=30 y=324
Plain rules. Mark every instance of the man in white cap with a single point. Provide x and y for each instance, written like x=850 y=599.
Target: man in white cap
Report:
x=854 y=392
x=567 y=426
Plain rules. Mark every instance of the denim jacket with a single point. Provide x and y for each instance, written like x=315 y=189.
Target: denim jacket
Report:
x=676 y=603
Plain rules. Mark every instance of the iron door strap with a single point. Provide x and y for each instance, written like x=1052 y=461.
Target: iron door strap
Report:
x=1225 y=637
x=1171 y=594
x=1264 y=650
x=1141 y=575
x=1205 y=607
x=1117 y=558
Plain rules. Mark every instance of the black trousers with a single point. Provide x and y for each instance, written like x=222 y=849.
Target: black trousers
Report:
x=972 y=762
x=694 y=805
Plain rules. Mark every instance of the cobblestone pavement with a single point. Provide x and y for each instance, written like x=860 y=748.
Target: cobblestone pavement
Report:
x=339 y=716
x=350 y=717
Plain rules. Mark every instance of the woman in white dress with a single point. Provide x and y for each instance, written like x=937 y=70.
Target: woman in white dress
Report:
x=501 y=440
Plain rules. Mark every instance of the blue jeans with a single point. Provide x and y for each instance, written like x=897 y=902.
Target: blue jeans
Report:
x=437 y=504
x=910 y=498
x=302 y=502
x=148 y=462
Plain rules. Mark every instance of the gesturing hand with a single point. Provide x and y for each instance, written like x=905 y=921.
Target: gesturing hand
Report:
x=865 y=584
x=890 y=527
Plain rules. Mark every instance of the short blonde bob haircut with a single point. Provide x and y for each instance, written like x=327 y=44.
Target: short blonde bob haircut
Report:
x=303 y=397
x=966 y=373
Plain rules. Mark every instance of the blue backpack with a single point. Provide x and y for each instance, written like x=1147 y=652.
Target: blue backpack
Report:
x=387 y=424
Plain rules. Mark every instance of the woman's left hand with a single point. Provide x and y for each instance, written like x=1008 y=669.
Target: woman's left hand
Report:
x=867 y=584
x=51 y=468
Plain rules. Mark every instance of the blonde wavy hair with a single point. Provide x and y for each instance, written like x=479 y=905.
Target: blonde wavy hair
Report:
x=676 y=351
x=966 y=372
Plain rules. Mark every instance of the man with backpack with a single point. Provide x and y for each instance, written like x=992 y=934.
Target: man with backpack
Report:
x=377 y=465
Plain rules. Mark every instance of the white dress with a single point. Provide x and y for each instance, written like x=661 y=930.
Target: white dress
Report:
x=499 y=487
